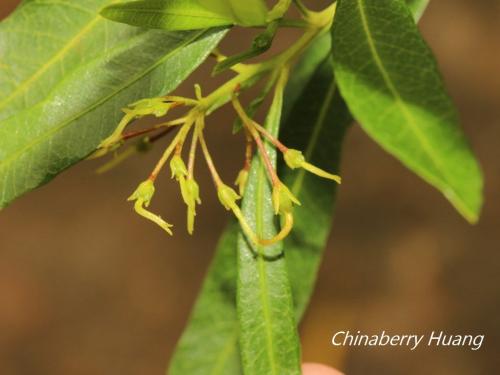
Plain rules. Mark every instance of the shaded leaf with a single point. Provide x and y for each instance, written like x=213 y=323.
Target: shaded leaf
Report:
x=391 y=83
x=316 y=124
x=322 y=143
x=57 y=105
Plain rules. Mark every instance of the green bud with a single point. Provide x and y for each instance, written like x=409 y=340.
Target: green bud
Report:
x=191 y=195
x=178 y=167
x=294 y=158
x=191 y=192
x=227 y=196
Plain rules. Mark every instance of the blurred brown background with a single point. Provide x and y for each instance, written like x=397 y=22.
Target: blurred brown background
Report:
x=86 y=287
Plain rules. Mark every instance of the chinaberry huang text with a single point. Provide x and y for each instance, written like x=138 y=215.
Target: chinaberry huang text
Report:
x=436 y=338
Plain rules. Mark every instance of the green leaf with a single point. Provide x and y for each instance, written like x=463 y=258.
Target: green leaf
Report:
x=188 y=14
x=390 y=81
x=268 y=333
x=209 y=345
x=244 y=13
x=58 y=104
x=316 y=124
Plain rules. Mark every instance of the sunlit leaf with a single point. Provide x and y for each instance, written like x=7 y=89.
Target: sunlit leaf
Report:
x=391 y=83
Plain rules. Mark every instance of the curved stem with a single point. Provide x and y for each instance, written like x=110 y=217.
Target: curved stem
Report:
x=285 y=231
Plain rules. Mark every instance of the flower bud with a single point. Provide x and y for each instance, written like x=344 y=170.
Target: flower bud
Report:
x=144 y=193
x=190 y=192
x=142 y=197
x=191 y=195
x=178 y=167
x=294 y=158
x=227 y=196
x=241 y=181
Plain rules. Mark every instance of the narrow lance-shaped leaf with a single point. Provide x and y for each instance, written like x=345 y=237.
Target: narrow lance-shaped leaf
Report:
x=58 y=105
x=318 y=128
x=268 y=332
x=391 y=83
x=188 y=14
x=215 y=311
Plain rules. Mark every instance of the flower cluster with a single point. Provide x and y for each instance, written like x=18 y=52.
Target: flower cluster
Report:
x=193 y=125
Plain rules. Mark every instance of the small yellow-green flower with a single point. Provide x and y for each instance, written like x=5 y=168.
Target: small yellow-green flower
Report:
x=295 y=159
x=227 y=196
x=142 y=197
x=283 y=199
x=191 y=195
x=178 y=167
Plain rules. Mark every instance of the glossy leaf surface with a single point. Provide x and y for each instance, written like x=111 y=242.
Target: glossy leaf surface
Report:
x=58 y=105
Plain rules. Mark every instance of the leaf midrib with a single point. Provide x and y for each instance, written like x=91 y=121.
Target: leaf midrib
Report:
x=4 y=163
x=259 y=226
x=173 y=13
x=297 y=189
x=401 y=104
x=62 y=52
